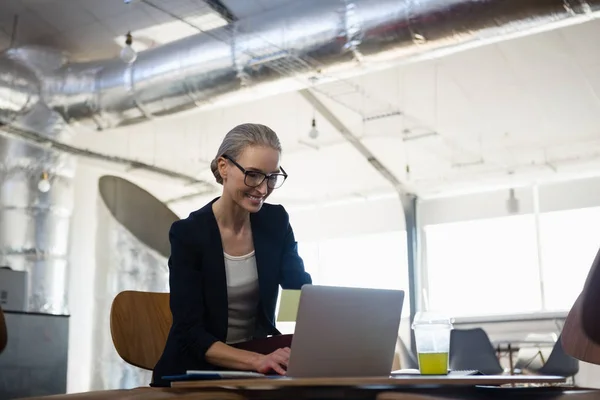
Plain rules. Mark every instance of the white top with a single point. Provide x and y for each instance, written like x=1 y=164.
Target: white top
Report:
x=242 y=296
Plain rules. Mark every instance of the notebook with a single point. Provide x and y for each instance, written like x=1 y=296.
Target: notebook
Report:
x=213 y=375
x=401 y=372
x=288 y=305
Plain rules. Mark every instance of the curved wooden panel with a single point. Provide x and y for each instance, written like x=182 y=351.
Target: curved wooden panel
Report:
x=590 y=308
x=581 y=333
x=139 y=326
x=574 y=340
x=142 y=214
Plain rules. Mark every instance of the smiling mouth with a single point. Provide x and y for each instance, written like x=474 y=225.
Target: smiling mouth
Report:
x=255 y=198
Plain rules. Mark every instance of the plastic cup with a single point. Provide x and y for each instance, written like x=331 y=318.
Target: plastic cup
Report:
x=432 y=339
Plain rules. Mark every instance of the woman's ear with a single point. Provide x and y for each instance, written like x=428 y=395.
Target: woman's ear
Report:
x=222 y=166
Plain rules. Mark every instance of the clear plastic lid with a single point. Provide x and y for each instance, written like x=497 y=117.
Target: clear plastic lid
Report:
x=432 y=318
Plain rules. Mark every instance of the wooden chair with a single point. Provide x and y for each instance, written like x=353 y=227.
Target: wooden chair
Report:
x=3 y=334
x=139 y=326
x=580 y=335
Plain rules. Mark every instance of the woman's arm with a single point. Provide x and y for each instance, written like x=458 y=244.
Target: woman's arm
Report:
x=187 y=300
x=229 y=357
x=293 y=274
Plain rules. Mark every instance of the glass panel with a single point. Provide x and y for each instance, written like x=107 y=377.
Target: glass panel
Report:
x=483 y=267
x=569 y=242
x=309 y=251
x=374 y=261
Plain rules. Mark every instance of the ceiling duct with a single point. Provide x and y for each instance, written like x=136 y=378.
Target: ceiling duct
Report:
x=298 y=39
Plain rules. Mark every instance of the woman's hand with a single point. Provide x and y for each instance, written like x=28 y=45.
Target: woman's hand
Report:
x=276 y=361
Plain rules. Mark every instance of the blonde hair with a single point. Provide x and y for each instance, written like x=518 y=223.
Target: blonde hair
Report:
x=241 y=137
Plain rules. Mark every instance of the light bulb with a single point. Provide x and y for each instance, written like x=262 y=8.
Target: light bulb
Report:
x=128 y=54
x=44 y=185
x=313 y=133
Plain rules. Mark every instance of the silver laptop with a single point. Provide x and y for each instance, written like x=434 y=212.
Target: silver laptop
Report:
x=345 y=332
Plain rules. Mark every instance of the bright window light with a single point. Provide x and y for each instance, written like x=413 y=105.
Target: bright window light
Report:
x=167 y=32
x=483 y=267
x=569 y=242
x=376 y=260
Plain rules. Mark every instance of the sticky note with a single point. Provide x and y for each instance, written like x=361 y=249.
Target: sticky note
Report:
x=288 y=305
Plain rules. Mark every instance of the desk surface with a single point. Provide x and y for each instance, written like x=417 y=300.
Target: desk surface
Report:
x=406 y=380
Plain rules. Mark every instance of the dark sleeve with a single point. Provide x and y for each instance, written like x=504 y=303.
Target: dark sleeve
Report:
x=187 y=304
x=293 y=275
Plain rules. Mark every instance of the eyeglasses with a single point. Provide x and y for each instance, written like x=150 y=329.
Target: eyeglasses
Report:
x=255 y=178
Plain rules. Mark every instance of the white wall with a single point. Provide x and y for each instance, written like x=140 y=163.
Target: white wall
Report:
x=81 y=280
x=553 y=197
x=385 y=214
x=346 y=219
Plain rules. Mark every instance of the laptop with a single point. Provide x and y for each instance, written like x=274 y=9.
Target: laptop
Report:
x=345 y=332
x=340 y=332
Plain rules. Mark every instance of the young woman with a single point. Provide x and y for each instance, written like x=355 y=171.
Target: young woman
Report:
x=227 y=262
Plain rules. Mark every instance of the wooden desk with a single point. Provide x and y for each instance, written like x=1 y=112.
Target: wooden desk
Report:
x=395 y=382
x=353 y=389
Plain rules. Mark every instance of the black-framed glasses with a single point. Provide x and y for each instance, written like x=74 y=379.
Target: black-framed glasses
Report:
x=256 y=178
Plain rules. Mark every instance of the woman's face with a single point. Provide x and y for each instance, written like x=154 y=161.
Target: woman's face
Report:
x=259 y=159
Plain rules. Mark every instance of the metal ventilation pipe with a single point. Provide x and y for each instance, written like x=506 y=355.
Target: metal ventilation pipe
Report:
x=39 y=90
x=36 y=201
x=300 y=37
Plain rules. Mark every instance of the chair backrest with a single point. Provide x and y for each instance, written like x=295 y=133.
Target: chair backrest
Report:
x=590 y=306
x=471 y=349
x=579 y=335
x=574 y=340
x=3 y=334
x=139 y=326
x=560 y=363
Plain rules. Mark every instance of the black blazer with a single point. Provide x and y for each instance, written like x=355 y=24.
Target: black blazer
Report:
x=199 y=285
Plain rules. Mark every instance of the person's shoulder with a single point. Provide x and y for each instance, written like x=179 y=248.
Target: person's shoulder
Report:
x=193 y=220
x=273 y=218
x=275 y=212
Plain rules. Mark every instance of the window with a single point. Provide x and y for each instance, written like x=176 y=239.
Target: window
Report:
x=309 y=251
x=483 y=267
x=374 y=261
x=569 y=242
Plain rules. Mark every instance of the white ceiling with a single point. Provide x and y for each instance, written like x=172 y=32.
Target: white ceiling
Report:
x=95 y=29
x=506 y=114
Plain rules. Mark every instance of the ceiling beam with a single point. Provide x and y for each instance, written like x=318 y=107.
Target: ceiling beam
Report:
x=407 y=199
x=131 y=164
x=220 y=8
x=322 y=109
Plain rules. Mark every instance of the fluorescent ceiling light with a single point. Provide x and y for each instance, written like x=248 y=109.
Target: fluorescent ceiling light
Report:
x=167 y=32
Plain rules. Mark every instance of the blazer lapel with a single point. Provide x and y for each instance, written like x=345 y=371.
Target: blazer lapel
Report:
x=215 y=276
x=267 y=279
x=261 y=254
